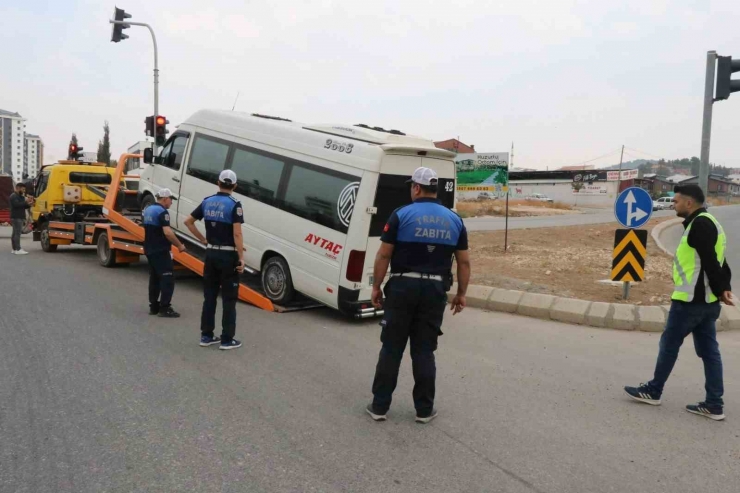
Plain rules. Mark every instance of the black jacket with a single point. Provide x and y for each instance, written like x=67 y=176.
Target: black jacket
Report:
x=703 y=238
x=18 y=206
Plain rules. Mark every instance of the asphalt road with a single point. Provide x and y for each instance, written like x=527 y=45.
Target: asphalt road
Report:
x=729 y=217
x=96 y=396
x=590 y=217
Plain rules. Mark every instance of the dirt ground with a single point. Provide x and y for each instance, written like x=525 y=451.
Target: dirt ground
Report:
x=566 y=261
x=517 y=208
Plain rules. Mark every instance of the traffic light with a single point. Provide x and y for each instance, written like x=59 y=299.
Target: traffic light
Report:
x=149 y=130
x=726 y=66
x=74 y=151
x=160 y=130
x=119 y=15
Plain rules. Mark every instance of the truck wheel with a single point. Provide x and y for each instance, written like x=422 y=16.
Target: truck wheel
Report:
x=46 y=240
x=106 y=256
x=277 y=281
x=146 y=201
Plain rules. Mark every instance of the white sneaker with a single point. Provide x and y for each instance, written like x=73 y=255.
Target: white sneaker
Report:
x=21 y=252
x=13 y=252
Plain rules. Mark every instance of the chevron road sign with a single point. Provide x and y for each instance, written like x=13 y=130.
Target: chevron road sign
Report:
x=630 y=251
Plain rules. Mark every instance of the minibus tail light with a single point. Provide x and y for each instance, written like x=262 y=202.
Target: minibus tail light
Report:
x=355 y=266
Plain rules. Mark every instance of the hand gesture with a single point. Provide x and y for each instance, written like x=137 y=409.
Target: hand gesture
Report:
x=728 y=298
x=240 y=267
x=377 y=297
x=458 y=304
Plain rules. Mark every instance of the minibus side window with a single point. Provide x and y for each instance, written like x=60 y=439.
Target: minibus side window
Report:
x=208 y=158
x=326 y=198
x=258 y=175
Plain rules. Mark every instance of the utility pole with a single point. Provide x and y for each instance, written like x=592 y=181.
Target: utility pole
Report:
x=625 y=284
x=619 y=180
x=706 y=128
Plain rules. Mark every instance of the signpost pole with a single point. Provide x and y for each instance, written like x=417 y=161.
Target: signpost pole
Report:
x=506 y=230
x=506 y=227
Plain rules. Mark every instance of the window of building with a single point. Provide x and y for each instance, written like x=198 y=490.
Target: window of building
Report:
x=208 y=158
x=258 y=174
x=321 y=196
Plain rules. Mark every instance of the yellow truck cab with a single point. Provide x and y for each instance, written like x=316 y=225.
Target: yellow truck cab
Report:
x=65 y=191
x=71 y=192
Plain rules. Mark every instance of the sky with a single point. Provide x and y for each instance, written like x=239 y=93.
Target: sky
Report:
x=566 y=81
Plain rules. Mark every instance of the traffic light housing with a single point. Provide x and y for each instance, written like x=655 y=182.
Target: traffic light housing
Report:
x=117 y=35
x=74 y=151
x=149 y=130
x=160 y=130
x=726 y=66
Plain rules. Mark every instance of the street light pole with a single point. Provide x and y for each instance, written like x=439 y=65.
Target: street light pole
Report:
x=706 y=129
x=156 y=64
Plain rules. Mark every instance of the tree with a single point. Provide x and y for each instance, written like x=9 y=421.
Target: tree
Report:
x=104 y=146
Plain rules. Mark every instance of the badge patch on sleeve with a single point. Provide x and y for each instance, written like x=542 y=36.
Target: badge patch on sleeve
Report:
x=167 y=217
x=387 y=227
x=239 y=211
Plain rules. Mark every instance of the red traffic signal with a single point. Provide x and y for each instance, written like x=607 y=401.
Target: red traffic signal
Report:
x=74 y=151
x=160 y=130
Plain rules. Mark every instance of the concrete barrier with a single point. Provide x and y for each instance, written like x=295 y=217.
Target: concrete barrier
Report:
x=569 y=310
x=574 y=311
x=535 y=305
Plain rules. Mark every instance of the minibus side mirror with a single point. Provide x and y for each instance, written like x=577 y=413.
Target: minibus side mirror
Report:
x=148 y=155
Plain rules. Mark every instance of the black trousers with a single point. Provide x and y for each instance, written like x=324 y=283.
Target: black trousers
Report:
x=161 y=279
x=15 y=239
x=413 y=310
x=220 y=274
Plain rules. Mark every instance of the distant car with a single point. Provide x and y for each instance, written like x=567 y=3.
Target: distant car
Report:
x=663 y=203
x=538 y=197
x=486 y=196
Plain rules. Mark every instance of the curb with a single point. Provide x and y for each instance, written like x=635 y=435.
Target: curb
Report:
x=595 y=314
x=659 y=229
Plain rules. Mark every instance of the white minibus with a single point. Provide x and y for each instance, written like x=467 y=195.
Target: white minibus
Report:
x=315 y=197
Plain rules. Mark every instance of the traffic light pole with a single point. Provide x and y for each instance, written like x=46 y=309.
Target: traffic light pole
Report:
x=706 y=129
x=156 y=65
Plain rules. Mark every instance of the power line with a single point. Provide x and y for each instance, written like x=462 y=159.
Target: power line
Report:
x=596 y=158
x=645 y=153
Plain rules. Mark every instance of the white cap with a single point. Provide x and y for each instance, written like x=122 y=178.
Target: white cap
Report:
x=165 y=193
x=424 y=176
x=227 y=176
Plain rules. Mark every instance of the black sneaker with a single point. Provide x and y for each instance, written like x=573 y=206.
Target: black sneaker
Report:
x=377 y=416
x=643 y=394
x=232 y=344
x=168 y=313
x=153 y=309
x=426 y=419
x=702 y=409
x=206 y=341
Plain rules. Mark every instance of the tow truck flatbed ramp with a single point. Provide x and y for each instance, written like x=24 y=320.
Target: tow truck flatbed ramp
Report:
x=119 y=237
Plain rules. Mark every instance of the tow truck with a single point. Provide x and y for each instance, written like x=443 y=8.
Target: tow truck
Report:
x=117 y=233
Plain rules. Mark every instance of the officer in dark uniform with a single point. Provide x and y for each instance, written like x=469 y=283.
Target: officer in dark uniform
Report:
x=158 y=236
x=224 y=216
x=418 y=241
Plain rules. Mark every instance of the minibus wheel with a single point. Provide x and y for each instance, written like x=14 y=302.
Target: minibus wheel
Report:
x=277 y=281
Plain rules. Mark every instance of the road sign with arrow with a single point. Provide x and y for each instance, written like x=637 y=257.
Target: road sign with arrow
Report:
x=633 y=207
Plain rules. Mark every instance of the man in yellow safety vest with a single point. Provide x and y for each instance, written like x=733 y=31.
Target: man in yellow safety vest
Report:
x=702 y=279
